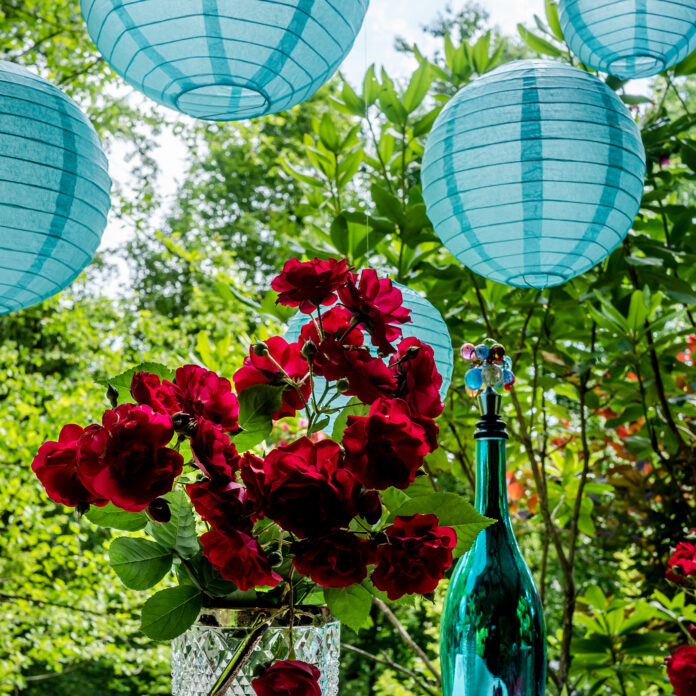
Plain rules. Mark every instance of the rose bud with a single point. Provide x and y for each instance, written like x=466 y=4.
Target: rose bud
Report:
x=343 y=385
x=82 y=508
x=309 y=350
x=184 y=424
x=159 y=510
x=260 y=349
x=275 y=559
x=370 y=506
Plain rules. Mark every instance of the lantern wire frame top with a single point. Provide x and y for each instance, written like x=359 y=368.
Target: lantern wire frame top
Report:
x=225 y=60
x=629 y=38
x=54 y=189
x=533 y=173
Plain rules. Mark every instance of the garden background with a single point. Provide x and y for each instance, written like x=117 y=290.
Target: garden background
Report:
x=603 y=416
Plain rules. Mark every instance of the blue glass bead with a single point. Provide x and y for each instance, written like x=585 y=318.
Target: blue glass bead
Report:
x=225 y=61
x=482 y=351
x=533 y=173
x=54 y=189
x=507 y=362
x=474 y=378
x=629 y=38
x=508 y=377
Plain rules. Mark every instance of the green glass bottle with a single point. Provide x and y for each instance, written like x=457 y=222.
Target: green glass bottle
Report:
x=493 y=641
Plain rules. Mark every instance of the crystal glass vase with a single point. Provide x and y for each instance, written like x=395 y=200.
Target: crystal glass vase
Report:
x=493 y=641
x=200 y=656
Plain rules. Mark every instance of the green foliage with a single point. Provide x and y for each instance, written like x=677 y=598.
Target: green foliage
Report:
x=257 y=404
x=168 y=613
x=179 y=534
x=350 y=605
x=139 y=563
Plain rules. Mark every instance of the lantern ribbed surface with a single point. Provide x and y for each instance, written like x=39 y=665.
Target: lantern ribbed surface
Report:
x=54 y=189
x=225 y=60
x=629 y=38
x=533 y=173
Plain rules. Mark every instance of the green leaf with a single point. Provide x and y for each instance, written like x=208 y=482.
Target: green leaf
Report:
x=354 y=408
x=388 y=204
x=418 y=87
x=350 y=605
x=123 y=381
x=169 y=613
x=687 y=66
x=179 y=534
x=139 y=563
x=538 y=44
x=257 y=404
x=327 y=133
x=114 y=518
x=551 y=7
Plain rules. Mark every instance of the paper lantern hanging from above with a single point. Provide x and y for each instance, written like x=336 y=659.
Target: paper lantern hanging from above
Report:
x=533 y=173
x=54 y=189
x=225 y=60
x=427 y=325
x=629 y=38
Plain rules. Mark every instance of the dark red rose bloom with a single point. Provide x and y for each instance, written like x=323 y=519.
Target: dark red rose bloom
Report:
x=431 y=429
x=302 y=487
x=681 y=670
x=214 y=452
x=370 y=506
x=337 y=560
x=369 y=378
x=205 y=394
x=148 y=389
x=377 y=305
x=126 y=460
x=260 y=369
x=337 y=323
x=416 y=558
x=418 y=380
x=56 y=466
x=385 y=448
x=288 y=678
x=223 y=504
x=239 y=559
x=682 y=565
x=310 y=284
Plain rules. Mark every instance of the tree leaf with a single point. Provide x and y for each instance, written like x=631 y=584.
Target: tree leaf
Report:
x=123 y=381
x=418 y=87
x=537 y=43
x=350 y=605
x=139 y=563
x=354 y=408
x=257 y=404
x=112 y=517
x=179 y=534
x=169 y=613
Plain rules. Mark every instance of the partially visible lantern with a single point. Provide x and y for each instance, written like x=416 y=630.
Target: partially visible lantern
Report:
x=54 y=189
x=629 y=38
x=225 y=60
x=427 y=325
x=533 y=173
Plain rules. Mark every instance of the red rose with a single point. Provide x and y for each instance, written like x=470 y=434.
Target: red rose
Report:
x=213 y=451
x=127 y=461
x=338 y=324
x=56 y=466
x=416 y=558
x=682 y=565
x=377 y=305
x=368 y=377
x=223 y=504
x=288 y=678
x=149 y=390
x=239 y=559
x=302 y=487
x=681 y=670
x=337 y=560
x=418 y=380
x=204 y=394
x=261 y=369
x=310 y=284
x=385 y=448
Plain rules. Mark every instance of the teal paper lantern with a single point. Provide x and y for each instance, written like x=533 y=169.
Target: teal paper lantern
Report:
x=427 y=325
x=533 y=173
x=629 y=38
x=225 y=60
x=54 y=189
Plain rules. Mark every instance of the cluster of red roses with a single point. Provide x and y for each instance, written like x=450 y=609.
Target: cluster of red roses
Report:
x=681 y=567
x=314 y=490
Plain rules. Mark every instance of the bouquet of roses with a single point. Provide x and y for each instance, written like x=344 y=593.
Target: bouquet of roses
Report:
x=312 y=521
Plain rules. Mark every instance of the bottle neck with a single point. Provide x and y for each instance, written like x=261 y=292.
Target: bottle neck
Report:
x=491 y=481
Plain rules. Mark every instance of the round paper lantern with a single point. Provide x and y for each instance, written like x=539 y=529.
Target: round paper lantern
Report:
x=54 y=189
x=225 y=60
x=533 y=173
x=629 y=38
x=426 y=324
